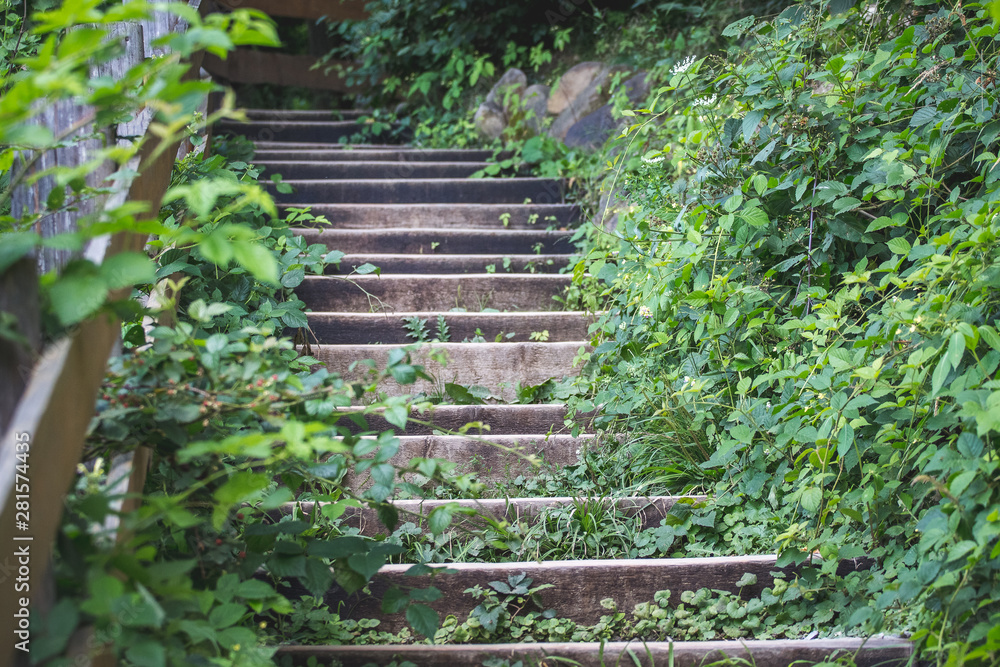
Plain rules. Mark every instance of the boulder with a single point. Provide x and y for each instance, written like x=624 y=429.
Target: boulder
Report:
x=513 y=82
x=571 y=84
x=490 y=120
x=533 y=105
x=594 y=129
x=588 y=101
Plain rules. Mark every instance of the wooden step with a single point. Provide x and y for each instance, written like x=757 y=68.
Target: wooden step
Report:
x=441 y=264
x=310 y=115
x=363 y=153
x=649 y=511
x=330 y=131
x=542 y=418
x=493 y=458
x=292 y=170
x=578 y=585
x=495 y=366
x=423 y=241
x=423 y=190
x=360 y=328
x=879 y=652
x=440 y=216
x=280 y=144
x=473 y=292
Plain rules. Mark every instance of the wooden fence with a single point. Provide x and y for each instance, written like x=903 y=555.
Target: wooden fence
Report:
x=50 y=402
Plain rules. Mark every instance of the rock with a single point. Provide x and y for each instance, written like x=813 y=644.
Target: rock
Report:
x=533 y=104
x=594 y=129
x=571 y=84
x=490 y=120
x=589 y=100
x=513 y=82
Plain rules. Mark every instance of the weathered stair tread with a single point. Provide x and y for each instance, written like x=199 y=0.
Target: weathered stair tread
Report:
x=650 y=510
x=356 y=169
x=364 y=153
x=357 y=328
x=540 y=418
x=496 y=366
x=578 y=585
x=439 y=216
x=423 y=241
x=281 y=144
x=319 y=131
x=299 y=114
x=410 y=263
x=409 y=292
x=424 y=190
x=879 y=652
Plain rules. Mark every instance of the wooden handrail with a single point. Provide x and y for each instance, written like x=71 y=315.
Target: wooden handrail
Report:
x=58 y=404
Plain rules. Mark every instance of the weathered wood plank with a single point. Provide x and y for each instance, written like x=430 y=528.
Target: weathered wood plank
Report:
x=283 y=69
x=649 y=510
x=578 y=586
x=883 y=652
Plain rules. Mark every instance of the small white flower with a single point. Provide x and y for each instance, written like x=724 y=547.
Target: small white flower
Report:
x=653 y=160
x=683 y=65
x=644 y=311
x=769 y=405
x=705 y=101
x=622 y=326
x=686 y=379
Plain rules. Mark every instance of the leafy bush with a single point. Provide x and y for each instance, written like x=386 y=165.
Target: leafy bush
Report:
x=805 y=295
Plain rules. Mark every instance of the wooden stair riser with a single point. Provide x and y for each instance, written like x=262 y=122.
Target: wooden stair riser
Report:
x=391 y=263
x=444 y=216
x=361 y=328
x=362 y=153
x=495 y=366
x=649 y=512
x=369 y=170
x=301 y=115
x=543 y=419
x=423 y=191
x=432 y=242
x=433 y=292
x=578 y=586
x=321 y=132
x=484 y=458
x=773 y=653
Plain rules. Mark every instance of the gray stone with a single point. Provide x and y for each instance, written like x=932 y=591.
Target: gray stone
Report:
x=513 y=82
x=490 y=120
x=593 y=130
x=571 y=84
x=589 y=100
x=533 y=104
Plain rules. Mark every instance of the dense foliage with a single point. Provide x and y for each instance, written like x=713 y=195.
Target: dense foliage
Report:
x=805 y=301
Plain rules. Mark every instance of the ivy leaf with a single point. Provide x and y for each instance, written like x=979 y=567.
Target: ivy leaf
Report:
x=78 y=293
x=440 y=519
x=811 y=499
x=423 y=619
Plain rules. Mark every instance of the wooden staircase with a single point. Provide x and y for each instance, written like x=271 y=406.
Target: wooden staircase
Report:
x=441 y=240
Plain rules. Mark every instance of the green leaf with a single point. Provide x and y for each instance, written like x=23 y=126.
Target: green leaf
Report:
x=440 y=519
x=750 y=123
x=14 y=246
x=147 y=652
x=956 y=348
x=258 y=260
x=811 y=499
x=900 y=246
x=367 y=564
x=227 y=614
x=77 y=294
x=940 y=375
x=423 y=619
x=127 y=269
